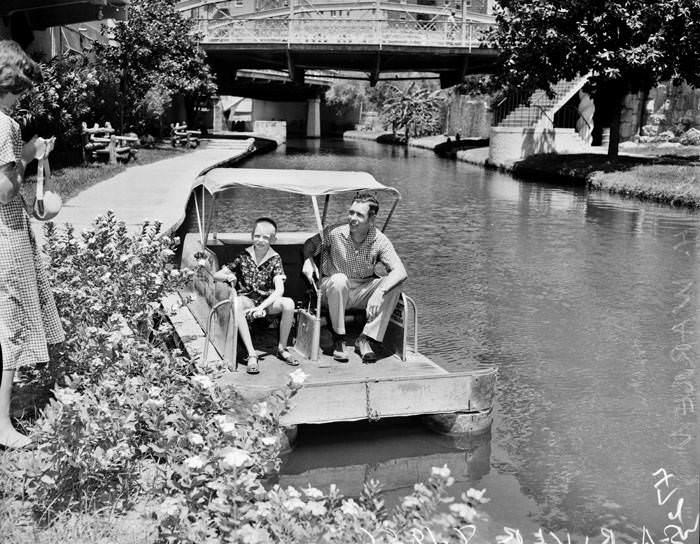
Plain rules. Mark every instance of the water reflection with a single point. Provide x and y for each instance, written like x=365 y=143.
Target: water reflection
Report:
x=402 y=453
x=573 y=294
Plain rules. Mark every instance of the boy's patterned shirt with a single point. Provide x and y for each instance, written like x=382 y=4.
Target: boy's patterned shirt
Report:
x=256 y=281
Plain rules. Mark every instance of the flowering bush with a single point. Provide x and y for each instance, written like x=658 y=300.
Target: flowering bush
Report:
x=134 y=421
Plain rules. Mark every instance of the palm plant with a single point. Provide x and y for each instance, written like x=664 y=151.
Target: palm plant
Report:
x=416 y=109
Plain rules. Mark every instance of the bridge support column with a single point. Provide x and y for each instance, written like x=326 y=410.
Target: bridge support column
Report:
x=313 y=118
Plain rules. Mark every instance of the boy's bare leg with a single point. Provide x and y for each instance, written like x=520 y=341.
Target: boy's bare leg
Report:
x=243 y=303
x=284 y=306
x=9 y=437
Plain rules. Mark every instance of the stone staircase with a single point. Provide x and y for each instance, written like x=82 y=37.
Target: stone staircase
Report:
x=541 y=109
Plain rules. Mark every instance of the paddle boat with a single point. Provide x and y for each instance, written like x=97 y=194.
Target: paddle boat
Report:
x=404 y=382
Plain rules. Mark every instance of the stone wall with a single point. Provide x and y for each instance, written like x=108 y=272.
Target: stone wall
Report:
x=469 y=116
x=668 y=107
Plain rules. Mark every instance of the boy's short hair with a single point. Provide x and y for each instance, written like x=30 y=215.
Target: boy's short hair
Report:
x=265 y=220
x=18 y=73
x=370 y=199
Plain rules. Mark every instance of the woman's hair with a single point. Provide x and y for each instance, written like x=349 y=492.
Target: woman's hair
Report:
x=18 y=72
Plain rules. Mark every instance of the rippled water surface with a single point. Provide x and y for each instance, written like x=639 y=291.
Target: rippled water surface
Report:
x=574 y=296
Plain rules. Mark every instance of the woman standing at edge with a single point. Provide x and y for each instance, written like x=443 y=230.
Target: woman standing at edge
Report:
x=28 y=316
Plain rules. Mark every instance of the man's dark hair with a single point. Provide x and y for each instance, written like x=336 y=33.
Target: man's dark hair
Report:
x=370 y=199
x=265 y=220
x=18 y=73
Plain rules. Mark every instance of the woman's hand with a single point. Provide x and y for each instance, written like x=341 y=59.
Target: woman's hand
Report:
x=30 y=150
x=9 y=183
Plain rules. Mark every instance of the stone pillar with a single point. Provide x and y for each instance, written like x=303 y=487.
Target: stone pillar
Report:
x=313 y=118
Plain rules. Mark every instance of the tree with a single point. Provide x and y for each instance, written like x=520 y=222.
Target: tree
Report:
x=69 y=94
x=627 y=46
x=155 y=52
x=416 y=109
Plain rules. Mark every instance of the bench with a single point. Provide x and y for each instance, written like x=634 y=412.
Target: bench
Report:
x=101 y=142
x=180 y=135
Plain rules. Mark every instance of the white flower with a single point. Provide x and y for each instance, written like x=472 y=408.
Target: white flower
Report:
x=312 y=492
x=154 y=391
x=154 y=404
x=269 y=440
x=196 y=439
x=67 y=396
x=463 y=510
x=106 y=276
x=477 y=495
x=202 y=262
x=298 y=377
x=315 y=508
x=194 y=463
x=351 y=508
x=262 y=409
x=226 y=424
x=293 y=503
x=410 y=501
x=203 y=381
x=292 y=492
x=443 y=472
x=235 y=458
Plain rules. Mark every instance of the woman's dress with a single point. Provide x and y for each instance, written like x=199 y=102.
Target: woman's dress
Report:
x=28 y=316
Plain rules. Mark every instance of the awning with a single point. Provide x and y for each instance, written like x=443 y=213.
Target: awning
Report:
x=303 y=182
x=41 y=14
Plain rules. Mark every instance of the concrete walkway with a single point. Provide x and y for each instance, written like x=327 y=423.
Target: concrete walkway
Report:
x=156 y=191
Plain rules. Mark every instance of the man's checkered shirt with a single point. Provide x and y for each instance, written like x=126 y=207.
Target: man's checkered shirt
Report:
x=340 y=255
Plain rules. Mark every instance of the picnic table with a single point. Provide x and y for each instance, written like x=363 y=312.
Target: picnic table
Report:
x=102 y=142
x=180 y=135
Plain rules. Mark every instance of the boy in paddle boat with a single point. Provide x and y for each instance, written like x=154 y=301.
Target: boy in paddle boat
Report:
x=258 y=277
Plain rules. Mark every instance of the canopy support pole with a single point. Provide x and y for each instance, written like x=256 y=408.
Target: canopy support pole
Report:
x=391 y=212
x=325 y=208
x=199 y=219
x=317 y=213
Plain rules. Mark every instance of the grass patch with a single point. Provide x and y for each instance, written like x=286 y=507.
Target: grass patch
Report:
x=668 y=178
x=70 y=181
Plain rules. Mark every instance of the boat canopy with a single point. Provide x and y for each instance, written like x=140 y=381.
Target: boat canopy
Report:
x=312 y=183
x=304 y=182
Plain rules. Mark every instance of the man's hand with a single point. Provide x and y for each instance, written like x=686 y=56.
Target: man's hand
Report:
x=310 y=270
x=374 y=302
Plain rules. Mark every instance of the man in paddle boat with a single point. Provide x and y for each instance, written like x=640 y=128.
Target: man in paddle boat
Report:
x=258 y=276
x=349 y=252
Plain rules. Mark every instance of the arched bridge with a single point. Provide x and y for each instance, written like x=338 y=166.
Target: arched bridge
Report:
x=366 y=36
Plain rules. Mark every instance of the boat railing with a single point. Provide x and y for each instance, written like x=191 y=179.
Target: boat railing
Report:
x=414 y=309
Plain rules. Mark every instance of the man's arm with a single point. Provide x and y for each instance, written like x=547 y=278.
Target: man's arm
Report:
x=312 y=247
x=397 y=275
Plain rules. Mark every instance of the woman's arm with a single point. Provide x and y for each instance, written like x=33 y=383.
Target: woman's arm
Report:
x=9 y=182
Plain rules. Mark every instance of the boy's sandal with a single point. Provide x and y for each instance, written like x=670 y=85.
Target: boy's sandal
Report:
x=253 y=365
x=284 y=355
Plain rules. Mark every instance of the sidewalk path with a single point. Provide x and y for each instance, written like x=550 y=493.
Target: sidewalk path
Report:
x=156 y=191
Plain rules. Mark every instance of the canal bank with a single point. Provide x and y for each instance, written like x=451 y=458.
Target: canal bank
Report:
x=157 y=191
x=664 y=173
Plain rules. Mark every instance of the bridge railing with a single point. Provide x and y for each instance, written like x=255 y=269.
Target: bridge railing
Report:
x=344 y=31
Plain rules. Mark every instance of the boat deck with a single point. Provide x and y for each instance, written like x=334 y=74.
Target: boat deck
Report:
x=336 y=391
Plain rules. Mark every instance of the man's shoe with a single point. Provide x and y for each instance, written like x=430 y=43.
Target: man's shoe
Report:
x=339 y=353
x=363 y=345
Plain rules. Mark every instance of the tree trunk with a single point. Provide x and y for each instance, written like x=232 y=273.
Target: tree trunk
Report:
x=407 y=131
x=618 y=96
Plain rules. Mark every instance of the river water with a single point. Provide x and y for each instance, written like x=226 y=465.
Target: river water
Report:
x=587 y=303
